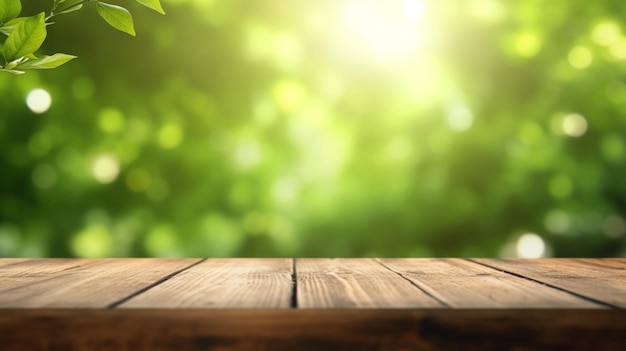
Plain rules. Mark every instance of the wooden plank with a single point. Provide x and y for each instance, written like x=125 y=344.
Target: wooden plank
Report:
x=9 y=261
x=12 y=267
x=619 y=263
x=19 y=272
x=224 y=283
x=597 y=283
x=355 y=283
x=463 y=284
x=81 y=283
x=333 y=329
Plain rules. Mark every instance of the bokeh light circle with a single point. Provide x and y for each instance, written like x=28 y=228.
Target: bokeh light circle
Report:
x=38 y=100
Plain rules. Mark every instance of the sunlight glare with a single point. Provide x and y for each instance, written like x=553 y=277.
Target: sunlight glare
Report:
x=413 y=9
x=386 y=31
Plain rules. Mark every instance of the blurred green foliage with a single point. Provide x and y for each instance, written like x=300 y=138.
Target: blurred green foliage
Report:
x=322 y=128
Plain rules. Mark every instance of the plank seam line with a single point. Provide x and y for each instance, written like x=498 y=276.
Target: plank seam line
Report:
x=414 y=284
x=294 y=285
x=150 y=286
x=581 y=296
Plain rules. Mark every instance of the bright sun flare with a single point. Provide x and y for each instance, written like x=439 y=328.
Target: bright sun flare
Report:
x=388 y=29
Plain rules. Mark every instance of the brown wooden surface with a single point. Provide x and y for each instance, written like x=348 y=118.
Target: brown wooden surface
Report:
x=224 y=283
x=80 y=283
x=311 y=329
x=311 y=304
x=10 y=261
x=349 y=283
x=598 y=280
x=604 y=262
x=459 y=283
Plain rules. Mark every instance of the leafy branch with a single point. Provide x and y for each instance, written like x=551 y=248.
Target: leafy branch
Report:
x=21 y=37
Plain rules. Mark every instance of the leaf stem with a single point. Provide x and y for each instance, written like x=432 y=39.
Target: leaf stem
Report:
x=54 y=13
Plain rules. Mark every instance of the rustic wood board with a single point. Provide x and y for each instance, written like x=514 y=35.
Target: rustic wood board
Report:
x=15 y=273
x=592 y=280
x=604 y=262
x=224 y=283
x=337 y=304
x=9 y=261
x=459 y=283
x=81 y=283
x=355 y=283
x=290 y=329
x=36 y=268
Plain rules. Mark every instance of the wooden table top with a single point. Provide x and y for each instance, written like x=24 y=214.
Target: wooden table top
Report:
x=282 y=303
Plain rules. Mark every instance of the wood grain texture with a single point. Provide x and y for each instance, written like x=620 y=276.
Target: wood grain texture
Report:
x=194 y=304
x=36 y=267
x=618 y=263
x=224 y=283
x=355 y=283
x=593 y=280
x=462 y=284
x=352 y=329
x=80 y=283
x=9 y=261
x=15 y=273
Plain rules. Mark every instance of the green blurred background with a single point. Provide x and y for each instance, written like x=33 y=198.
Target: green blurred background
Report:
x=322 y=128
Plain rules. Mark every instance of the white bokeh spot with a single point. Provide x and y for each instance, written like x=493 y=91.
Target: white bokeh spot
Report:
x=38 y=100
x=105 y=168
x=530 y=245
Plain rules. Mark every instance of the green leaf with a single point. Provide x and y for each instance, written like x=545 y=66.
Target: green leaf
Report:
x=14 y=63
x=46 y=62
x=153 y=4
x=8 y=27
x=117 y=16
x=14 y=71
x=26 y=37
x=9 y=9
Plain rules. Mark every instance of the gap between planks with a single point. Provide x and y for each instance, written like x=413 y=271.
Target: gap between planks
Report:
x=420 y=280
x=293 y=299
x=459 y=283
x=355 y=283
x=426 y=290
x=294 y=286
x=158 y=282
x=544 y=283
x=79 y=283
x=413 y=283
x=224 y=283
